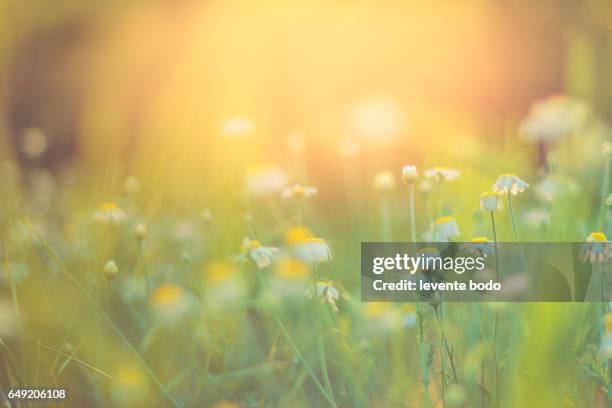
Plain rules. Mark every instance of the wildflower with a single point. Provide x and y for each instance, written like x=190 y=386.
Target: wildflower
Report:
x=131 y=185
x=33 y=142
x=223 y=286
x=382 y=317
x=297 y=191
x=409 y=174
x=597 y=248
x=490 y=201
x=306 y=246
x=260 y=254
x=442 y=173
x=170 y=302
x=266 y=179
x=110 y=213
x=553 y=118
x=130 y=387
x=479 y=245
x=238 y=127
x=509 y=183
x=326 y=293
x=110 y=270
x=140 y=231
x=409 y=314
x=384 y=182
x=290 y=276
x=446 y=228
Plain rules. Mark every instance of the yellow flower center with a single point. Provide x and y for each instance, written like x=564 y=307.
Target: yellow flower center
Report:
x=166 y=295
x=480 y=239
x=291 y=268
x=598 y=236
x=444 y=220
x=219 y=272
x=490 y=194
x=298 y=234
x=129 y=376
x=110 y=206
x=375 y=309
x=251 y=245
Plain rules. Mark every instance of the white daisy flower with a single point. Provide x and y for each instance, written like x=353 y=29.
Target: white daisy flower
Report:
x=171 y=302
x=442 y=173
x=326 y=292
x=553 y=118
x=384 y=182
x=446 y=228
x=261 y=255
x=479 y=245
x=597 y=248
x=306 y=246
x=110 y=213
x=509 y=183
x=297 y=191
x=266 y=179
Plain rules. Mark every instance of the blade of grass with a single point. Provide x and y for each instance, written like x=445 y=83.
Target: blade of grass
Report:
x=101 y=312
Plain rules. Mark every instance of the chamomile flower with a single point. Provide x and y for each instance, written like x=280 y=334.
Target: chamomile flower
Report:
x=130 y=387
x=265 y=179
x=110 y=213
x=509 y=183
x=297 y=191
x=290 y=276
x=170 y=302
x=479 y=246
x=224 y=286
x=261 y=255
x=409 y=317
x=409 y=174
x=442 y=173
x=382 y=317
x=384 y=182
x=446 y=228
x=326 y=293
x=141 y=231
x=490 y=201
x=553 y=118
x=306 y=246
x=597 y=248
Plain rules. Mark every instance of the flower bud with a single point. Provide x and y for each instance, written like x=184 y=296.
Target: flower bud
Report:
x=110 y=269
x=140 y=231
x=409 y=174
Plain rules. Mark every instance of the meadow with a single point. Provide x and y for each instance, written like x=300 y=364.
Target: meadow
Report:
x=185 y=187
x=131 y=302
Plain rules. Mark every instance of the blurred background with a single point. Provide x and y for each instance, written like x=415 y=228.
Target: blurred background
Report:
x=191 y=116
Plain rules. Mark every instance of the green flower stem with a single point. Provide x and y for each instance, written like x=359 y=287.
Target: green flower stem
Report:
x=413 y=235
x=70 y=277
x=297 y=352
x=498 y=270
x=144 y=265
x=515 y=231
x=605 y=182
x=320 y=345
